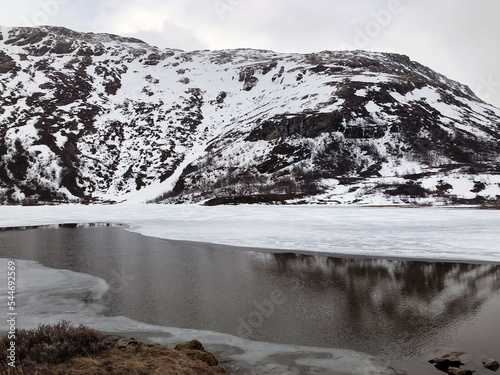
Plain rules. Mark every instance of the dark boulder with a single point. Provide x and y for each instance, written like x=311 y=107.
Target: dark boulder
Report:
x=491 y=364
x=450 y=360
x=126 y=342
x=194 y=350
x=457 y=371
x=190 y=345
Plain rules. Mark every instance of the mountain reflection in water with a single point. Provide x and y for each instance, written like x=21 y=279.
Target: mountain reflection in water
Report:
x=400 y=306
x=388 y=308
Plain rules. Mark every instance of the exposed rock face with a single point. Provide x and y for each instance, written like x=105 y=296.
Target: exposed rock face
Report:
x=6 y=63
x=95 y=117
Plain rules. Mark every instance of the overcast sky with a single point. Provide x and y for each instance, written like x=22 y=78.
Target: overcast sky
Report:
x=459 y=38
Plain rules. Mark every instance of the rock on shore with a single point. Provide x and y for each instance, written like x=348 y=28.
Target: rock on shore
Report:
x=491 y=364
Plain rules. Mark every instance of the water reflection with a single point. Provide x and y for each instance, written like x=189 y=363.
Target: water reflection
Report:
x=381 y=307
x=402 y=306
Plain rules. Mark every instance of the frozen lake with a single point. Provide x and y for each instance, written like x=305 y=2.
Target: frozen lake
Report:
x=365 y=314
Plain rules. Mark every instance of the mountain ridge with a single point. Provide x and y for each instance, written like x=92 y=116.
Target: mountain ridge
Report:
x=88 y=117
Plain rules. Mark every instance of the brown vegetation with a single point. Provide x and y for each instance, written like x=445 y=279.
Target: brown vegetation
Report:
x=64 y=349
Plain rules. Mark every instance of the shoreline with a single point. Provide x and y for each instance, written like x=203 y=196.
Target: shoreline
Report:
x=347 y=256
x=432 y=234
x=64 y=347
x=269 y=250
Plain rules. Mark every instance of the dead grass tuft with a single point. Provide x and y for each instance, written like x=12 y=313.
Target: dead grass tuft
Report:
x=53 y=344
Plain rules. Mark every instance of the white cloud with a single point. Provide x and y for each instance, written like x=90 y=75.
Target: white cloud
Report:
x=456 y=38
x=129 y=19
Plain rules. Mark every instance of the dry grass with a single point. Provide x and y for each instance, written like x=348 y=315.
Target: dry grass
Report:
x=52 y=344
x=63 y=349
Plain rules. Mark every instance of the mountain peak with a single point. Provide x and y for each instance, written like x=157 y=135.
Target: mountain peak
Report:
x=28 y=34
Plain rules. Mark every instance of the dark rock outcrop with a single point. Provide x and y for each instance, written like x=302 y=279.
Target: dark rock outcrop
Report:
x=305 y=125
x=6 y=63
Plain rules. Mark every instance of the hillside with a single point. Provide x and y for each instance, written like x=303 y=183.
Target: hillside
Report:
x=90 y=117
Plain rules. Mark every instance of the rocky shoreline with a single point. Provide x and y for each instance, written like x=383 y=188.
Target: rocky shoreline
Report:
x=63 y=348
x=450 y=363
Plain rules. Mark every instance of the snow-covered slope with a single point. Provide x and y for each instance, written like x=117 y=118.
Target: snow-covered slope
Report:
x=96 y=117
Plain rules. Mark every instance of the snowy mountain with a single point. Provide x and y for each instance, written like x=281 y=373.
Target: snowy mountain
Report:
x=90 y=117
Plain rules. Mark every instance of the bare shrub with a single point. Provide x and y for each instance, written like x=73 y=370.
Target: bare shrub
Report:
x=53 y=344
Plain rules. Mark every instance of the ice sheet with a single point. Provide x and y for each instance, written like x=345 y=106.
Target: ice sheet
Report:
x=424 y=233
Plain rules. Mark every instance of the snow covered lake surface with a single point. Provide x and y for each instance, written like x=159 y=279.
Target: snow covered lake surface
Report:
x=424 y=233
